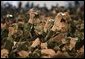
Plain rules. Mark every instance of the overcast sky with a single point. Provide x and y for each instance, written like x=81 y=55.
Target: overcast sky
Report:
x=41 y=3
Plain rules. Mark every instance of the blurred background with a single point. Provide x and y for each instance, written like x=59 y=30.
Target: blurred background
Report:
x=14 y=7
x=49 y=4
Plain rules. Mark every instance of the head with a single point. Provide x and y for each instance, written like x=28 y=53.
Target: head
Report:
x=63 y=17
x=33 y=13
x=61 y=22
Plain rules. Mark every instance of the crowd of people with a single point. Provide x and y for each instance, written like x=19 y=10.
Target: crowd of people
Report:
x=37 y=32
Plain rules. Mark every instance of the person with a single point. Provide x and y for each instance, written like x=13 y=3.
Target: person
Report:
x=31 y=23
x=60 y=25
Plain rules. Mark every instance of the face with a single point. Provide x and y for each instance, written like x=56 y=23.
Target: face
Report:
x=11 y=30
x=61 y=21
x=62 y=17
x=32 y=13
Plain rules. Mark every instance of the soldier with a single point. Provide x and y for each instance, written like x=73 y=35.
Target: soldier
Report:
x=60 y=24
x=31 y=22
